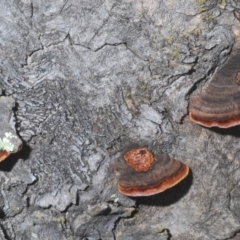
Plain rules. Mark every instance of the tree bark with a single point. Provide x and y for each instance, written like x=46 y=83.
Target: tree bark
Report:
x=88 y=79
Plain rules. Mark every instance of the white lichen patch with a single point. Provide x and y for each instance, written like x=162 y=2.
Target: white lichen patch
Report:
x=5 y=143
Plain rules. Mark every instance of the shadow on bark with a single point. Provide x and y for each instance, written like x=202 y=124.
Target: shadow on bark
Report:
x=232 y=131
x=11 y=160
x=168 y=197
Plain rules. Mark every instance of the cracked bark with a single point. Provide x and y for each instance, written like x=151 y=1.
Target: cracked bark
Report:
x=88 y=79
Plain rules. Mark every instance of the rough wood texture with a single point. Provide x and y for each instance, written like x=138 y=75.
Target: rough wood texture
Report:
x=87 y=78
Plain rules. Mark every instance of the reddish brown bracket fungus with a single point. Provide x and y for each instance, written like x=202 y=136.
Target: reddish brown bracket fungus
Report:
x=3 y=155
x=144 y=174
x=218 y=105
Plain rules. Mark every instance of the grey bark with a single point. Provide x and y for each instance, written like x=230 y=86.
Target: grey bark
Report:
x=88 y=78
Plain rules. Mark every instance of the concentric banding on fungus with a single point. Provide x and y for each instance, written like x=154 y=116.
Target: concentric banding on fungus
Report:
x=218 y=105
x=165 y=172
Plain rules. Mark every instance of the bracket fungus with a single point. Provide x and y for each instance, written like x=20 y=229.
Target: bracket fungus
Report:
x=218 y=105
x=143 y=174
x=3 y=155
x=9 y=141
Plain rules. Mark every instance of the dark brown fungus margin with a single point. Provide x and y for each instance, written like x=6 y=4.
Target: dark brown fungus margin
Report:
x=218 y=105
x=144 y=174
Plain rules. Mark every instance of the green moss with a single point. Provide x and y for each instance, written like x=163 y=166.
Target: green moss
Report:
x=143 y=86
x=222 y=3
x=128 y=94
x=175 y=53
x=208 y=17
x=202 y=5
x=59 y=220
x=140 y=94
x=39 y=216
x=161 y=228
x=5 y=143
x=154 y=35
x=201 y=2
x=170 y=39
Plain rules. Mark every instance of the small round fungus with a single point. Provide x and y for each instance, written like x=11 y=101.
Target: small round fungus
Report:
x=218 y=105
x=140 y=159
x=144 y=174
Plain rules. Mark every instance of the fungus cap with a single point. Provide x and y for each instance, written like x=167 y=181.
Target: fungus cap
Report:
x=164 y=172
x=140 y=159
x=218 y=105
x=3 y=155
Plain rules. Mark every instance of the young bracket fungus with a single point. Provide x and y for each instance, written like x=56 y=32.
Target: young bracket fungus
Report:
x=144 y=174
x=218 y=105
